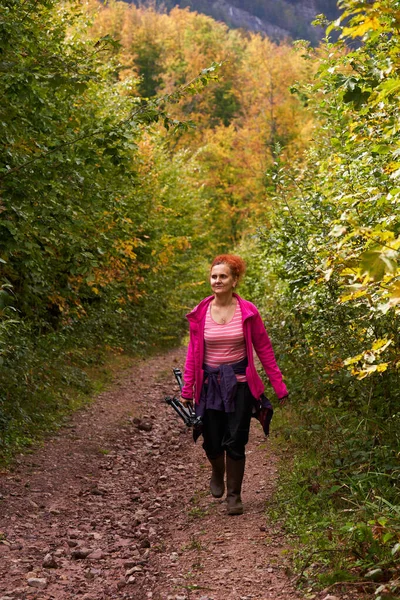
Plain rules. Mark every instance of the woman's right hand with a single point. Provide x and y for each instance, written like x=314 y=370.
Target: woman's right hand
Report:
x=186 y=401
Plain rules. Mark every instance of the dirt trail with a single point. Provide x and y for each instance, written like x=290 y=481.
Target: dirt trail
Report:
x=116 y=506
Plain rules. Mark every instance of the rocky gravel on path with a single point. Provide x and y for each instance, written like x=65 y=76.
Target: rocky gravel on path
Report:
x=116 y=506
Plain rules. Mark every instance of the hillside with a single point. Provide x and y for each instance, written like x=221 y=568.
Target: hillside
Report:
x=278 y=19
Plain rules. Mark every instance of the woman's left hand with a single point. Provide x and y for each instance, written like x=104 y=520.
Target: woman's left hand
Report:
x=282 y=401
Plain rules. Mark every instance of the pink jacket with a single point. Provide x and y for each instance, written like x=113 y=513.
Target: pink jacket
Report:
x=254 y=334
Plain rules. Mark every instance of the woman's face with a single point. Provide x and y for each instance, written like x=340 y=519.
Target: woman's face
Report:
x=221 y=279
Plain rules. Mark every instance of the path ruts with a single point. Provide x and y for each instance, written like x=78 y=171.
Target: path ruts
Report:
x=116 y=506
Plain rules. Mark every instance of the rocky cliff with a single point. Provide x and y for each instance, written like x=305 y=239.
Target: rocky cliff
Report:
x=278 y=19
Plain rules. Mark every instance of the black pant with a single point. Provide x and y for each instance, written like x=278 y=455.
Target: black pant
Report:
x=229 y=431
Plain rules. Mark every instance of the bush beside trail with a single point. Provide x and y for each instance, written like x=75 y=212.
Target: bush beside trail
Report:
x=96 y=216
x=326 y=271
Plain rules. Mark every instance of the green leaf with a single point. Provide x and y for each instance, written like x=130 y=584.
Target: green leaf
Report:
x=376 y=263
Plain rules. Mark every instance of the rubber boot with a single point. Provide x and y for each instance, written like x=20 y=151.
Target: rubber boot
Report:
x=234 y=478
x=217 y=485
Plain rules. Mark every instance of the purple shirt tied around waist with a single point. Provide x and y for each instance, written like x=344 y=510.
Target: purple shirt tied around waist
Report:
x=220 y=391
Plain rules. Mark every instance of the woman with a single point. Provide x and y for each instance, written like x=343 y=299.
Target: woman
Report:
x=220 y=374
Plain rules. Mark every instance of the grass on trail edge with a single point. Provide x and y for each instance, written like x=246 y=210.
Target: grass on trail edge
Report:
x=337 y=540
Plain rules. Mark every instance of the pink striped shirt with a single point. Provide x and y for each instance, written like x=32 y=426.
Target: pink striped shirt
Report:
x=224 y=344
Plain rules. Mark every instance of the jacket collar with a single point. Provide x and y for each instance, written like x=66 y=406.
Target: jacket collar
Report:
x=196 y=315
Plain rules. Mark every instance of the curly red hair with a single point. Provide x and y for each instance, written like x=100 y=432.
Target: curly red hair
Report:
x=235 y=263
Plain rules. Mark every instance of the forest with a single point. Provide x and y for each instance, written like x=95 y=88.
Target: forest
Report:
x=136 y=145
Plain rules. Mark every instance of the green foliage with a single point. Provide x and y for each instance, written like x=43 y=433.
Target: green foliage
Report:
x=337 y=534
x=90 y=201
x=147 y=59
x=326 y=273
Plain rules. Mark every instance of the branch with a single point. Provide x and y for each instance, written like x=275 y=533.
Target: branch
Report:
x=64 y=145
x=307 y=562
x=353 y=584
x=192 y=87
